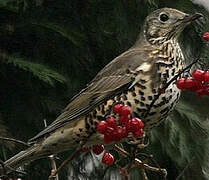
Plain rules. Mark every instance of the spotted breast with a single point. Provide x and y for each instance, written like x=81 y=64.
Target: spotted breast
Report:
x=165 y=62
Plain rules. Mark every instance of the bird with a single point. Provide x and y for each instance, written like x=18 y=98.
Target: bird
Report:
x=134 y=78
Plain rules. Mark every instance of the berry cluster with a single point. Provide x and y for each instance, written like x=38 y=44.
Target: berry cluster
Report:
x=199 y=82
x=107 y=158
x=117 y=129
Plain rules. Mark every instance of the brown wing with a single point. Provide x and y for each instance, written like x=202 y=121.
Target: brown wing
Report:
x=110 y=81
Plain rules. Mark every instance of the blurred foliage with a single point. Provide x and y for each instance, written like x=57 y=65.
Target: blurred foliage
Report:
x=50 y=49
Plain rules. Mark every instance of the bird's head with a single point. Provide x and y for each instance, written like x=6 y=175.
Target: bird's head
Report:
x=166 y=23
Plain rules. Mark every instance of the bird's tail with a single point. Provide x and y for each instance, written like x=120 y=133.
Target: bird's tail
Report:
x=32 y=153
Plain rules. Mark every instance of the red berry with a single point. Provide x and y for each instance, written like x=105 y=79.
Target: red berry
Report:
x=198 y=75
x=124 y=132
x=85 y=149
x=98 y=149
x=111 y=122
x=124 y=119
x=108 y=136
x=139 y=133
x=141 y=124
x=134 y=125
x=180 y=83
x=203 y=91
x=118 y=134
x=190 y=84
x=109 y=130
x=117 y=108
x=128 y=126
x=125 y=110
x=206 y=36
x=199 y=85
x=101 y=127
x=108 y=159
x=206 y=76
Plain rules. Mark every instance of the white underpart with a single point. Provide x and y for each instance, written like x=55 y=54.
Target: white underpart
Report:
x=145 y=67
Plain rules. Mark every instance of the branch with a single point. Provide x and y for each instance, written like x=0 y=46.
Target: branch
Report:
x=14 y=140
x=140 y=163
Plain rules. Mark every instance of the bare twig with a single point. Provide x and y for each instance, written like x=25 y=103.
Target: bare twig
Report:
x=150 y=157
x=140 y=163
x=14 y=140
x=150 y=168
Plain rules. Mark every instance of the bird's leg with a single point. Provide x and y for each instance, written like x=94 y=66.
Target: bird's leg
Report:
x=144 y=174
x=54 y=166
x=70 y=158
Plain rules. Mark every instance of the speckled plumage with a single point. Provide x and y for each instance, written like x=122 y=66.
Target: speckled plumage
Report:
x=133 y=78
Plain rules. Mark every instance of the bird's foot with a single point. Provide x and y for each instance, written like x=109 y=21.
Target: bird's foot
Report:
x=53 y=174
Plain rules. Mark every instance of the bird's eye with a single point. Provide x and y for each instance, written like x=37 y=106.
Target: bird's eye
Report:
x=164 y=17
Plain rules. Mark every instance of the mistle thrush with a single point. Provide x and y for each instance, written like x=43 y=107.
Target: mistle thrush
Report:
x=133 y=78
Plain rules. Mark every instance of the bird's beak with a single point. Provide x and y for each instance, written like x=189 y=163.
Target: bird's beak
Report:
x=193 y=17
